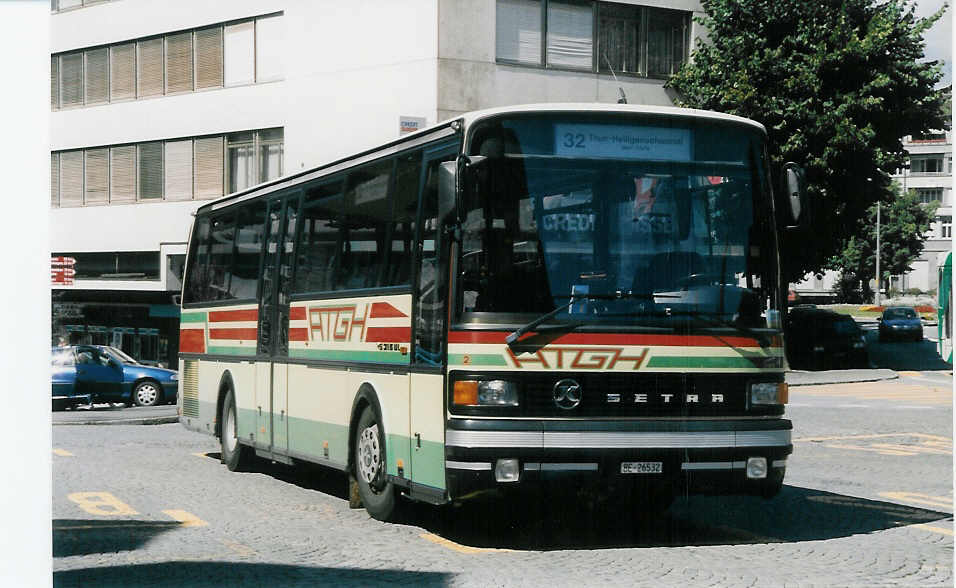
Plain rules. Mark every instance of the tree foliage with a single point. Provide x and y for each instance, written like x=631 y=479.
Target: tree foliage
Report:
x=904 y=223
x=837 y=84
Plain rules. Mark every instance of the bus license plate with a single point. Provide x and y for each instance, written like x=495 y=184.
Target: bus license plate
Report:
x=641 y=467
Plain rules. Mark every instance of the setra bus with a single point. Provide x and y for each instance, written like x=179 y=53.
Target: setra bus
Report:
x=518 y=295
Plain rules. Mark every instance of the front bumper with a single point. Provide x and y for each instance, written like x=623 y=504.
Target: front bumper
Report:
x=699 y=456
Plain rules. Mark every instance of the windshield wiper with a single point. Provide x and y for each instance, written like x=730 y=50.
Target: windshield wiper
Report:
x=513 y=337
x=714 y=318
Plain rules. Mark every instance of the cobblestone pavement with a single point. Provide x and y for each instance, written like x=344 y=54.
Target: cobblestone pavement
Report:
x=868 y=502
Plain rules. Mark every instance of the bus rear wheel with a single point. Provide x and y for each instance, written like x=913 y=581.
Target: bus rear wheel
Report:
x=377 y=493
x=234 y=454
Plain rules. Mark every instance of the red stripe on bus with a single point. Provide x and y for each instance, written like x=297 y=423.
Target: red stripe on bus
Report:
x=224 y=316
x=192 y=340
x=611 y=339
x=297 y=313
x=385 y=310
x=298 y=334
x=388 y=335
x=233 y=334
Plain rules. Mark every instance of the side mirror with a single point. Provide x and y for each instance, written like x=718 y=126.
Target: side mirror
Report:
x=793 y=186
x=447 y=200
x=115 y=364
x=177 y=299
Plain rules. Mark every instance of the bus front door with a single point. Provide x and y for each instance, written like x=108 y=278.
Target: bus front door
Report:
x=272 y=391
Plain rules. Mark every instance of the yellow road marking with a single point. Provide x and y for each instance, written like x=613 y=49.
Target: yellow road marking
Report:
x=126 y=525
x=917 y=498
x=186 y=519
x=926 y=444
x=101 y=503
x=892 y=390
x=933 y=529
x=865 y=448
x=201 y=455
x=239 y=548
x=456 y=547
x=62 y=452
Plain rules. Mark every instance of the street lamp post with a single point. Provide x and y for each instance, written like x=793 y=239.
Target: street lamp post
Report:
x=877 y=253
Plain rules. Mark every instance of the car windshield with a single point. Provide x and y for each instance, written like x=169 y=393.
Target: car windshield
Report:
x=845 y=327
x=120 y=356
x=899 y=313
x=644 y=222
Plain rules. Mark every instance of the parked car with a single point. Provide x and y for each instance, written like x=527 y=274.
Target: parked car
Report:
x=900 y=322
x=83 y=374
x=822 y=339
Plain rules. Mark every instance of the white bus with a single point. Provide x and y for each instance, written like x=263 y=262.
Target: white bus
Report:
x=519 y=295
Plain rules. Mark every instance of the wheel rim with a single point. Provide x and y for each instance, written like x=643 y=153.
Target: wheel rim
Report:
x=146 y=394
x=369 y=454
x=230 y=433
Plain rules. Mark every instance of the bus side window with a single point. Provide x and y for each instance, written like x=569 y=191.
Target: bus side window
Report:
x=250 y=235
x=430 y=317
x=196 y=281
x=404 y=210
x=367 y=211
x=222 y=237
x=319 y=238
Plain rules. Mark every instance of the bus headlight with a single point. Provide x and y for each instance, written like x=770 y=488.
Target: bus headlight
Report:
x=769 y=393
x=485 y=393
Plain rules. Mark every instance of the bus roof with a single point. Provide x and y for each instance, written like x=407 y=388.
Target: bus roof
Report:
x=445 y=128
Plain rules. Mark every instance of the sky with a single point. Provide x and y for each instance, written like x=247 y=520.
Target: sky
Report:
x=939 y=39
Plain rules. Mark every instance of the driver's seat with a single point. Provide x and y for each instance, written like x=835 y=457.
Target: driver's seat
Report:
x=665 y=269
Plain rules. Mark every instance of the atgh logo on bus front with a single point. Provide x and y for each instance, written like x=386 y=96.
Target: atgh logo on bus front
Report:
x=567 y=394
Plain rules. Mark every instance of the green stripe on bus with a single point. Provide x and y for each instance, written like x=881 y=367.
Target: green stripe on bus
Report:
x=192 y=317
x=699 y=362
x=476 y=359
x=344 y=355
x=219 y=350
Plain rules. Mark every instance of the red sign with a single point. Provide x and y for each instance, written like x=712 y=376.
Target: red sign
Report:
x=61 y=270
x=57 y=261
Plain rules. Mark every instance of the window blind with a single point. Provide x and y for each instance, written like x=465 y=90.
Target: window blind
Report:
x=179 y=62
x=97 y=176
x=123 y=173
x=208 y=167
x=239 y=45
x=123 y=71
x=209 y=58
x=97 y=75
x=179 y=170
x=149 y=69
x=54 y=179
x=55 y=81
x=71 y=79
x=71 y=178
x=150 y=170
x=270 y=34
x=518 y=30
x=569 y=34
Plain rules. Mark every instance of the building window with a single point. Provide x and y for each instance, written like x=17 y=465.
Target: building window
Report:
x=927 y=195
x=927 y=164
x=945 y=226
x=239 y=53
x=177 y=169
x=61 y=5
x=636 y=40
x=126 y=265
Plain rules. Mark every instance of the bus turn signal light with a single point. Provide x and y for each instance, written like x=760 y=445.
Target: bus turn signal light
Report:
x=466 y=392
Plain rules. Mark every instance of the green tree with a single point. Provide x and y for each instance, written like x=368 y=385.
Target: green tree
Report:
x=903 y=226
x=837 y=84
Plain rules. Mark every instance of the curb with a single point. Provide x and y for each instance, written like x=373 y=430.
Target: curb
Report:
x=143 y=421
x=851 y=380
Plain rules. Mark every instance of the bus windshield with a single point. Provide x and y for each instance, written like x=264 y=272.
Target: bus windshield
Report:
x=623 y=221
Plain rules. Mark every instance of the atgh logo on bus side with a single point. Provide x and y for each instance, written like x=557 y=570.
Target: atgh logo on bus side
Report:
x=567 y=394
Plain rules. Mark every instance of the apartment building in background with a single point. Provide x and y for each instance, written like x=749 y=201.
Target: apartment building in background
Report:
x=930 y=175
x=157 y=107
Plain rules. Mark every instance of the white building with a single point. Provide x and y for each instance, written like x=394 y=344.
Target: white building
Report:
x=930 y=174
x=157 y=106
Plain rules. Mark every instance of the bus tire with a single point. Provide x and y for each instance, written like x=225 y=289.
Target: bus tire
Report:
x=378 y=494
x=234 y=454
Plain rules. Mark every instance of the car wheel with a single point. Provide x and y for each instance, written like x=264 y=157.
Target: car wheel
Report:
x=378 y=494
x=147 y=393
x=235 y=455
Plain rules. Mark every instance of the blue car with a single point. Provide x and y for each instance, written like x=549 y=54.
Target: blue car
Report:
x=83 y=374
x=900 y=322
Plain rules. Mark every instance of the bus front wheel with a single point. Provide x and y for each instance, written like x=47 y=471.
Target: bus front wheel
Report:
x=377 y=493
